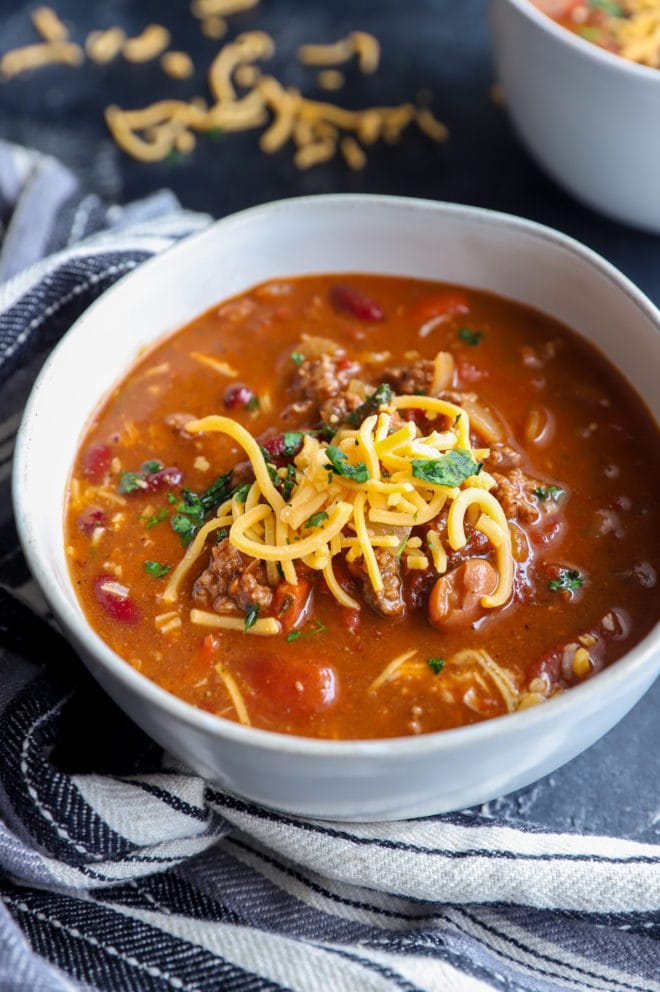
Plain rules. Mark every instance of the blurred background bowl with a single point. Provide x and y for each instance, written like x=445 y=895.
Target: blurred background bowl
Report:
x=356 y=780
x=591 y=119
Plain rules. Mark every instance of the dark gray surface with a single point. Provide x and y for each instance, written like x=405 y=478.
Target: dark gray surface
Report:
x=435 y=45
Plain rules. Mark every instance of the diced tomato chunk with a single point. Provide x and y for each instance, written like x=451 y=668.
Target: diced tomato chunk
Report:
x=351 y=619
x=447 y=303
x=96 y=463
x=293 y=686
x=115 y=599
x=358 y=304
x=291 y=604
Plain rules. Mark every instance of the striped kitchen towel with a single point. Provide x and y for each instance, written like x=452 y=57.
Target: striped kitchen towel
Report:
x=122 y=871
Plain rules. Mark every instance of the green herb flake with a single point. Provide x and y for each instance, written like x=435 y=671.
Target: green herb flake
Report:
x=152 y=466
x=184 y=527
x=316 y=519
x=171 y=499
x=288 y=483
x=129 y=482
x=340 y=465
x=221 y=534
x=371 y=405
x=399 y=550
x=295 y=634
x=297 y=358
x=468 y=336
x=569 y=578
x=155 y=518
x=215 y=134
x=251 y=615
x=449 y=470
x=291 y=441
x=552 y=493
x=241 y=493
x=436 y=664
x=155 y=569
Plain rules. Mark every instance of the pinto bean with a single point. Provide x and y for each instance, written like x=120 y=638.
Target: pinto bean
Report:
x=455 y=599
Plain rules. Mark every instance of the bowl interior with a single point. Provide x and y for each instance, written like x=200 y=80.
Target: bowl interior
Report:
x=511 y=257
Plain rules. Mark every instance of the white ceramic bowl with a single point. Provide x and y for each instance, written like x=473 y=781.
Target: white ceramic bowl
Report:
x=591 y=119
x=515 y=258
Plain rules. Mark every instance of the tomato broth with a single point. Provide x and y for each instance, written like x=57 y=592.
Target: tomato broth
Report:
x=559 y=447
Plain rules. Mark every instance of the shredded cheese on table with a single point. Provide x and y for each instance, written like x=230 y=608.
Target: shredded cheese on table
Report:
x=359 y=493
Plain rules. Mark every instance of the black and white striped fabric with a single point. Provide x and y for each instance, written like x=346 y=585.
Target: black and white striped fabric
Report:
x=121 y=871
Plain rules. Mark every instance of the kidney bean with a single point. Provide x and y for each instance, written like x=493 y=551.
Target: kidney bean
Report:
x=455 y=600
x=275 y=446
x=96 y=463
x=164 y=478
x=91 y=518
x=239 y=397
x=358 y=304
x=115 y=599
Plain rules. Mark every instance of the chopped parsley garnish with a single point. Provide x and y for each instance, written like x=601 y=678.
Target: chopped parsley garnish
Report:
x=295 y=634
x=129 y=482
x=251 y=615
x=288 y=482
x=194 y=508
x=449 y=470
x=297 y=358
x=317 y=519
x=184 y=527
x=340 y=465
x=588 y=32
x=241 y=493
x=270 y=468
x=155 y=518
x=468 y=336
x=548 y=492
x=436 y=664
x=156 y=570
x=152 y=466
x=399 y=550
x=569 y=578
x=221 y=534
x=371 y=405
x=457 y=420
x=291 y=441
x=252 y=404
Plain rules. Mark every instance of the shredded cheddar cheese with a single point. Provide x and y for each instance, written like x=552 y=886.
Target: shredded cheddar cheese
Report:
x=366 y=490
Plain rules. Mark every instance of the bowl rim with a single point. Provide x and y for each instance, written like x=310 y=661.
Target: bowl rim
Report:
x=581 y=45
x=140 y=686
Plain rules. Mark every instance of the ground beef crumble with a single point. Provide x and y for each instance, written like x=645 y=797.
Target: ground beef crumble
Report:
x=515 y=492
x=390 y=601
x=232 y=582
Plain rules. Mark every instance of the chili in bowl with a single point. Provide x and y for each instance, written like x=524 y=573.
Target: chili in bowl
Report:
x=587 y=114
x=365 y=534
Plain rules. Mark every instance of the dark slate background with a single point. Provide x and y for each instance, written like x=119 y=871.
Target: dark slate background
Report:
x=435 y=45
